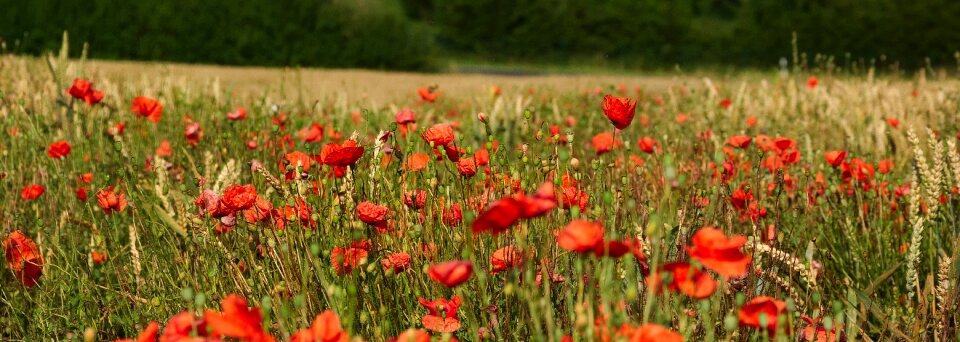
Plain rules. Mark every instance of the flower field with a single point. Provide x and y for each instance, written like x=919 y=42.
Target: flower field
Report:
x=812 y=206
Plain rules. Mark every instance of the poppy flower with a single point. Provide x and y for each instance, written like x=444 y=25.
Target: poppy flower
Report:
x=82 y=193
x=372 y=214
x=31 y=192
x=237 y=114
x=647 y=144
x=326 y=328
x=149 y=334
x=885 y=166
x=835 y=158
x=58 y=149
x=768 y=307
x=239 y=197
x=411 y=335
x=427 y=94
x=581 y=236
x=346 y=259
x=452 y=216
x=751 y=121
x=540 y=203
x=654 y=333
x=83 y=90
x=404 y=117
x=438 y=135
x=467 y=167
x=164 y=150
x=620 y=110
x=86 y=177
x=498 y=217
x=299 y=159
x=415 y=199
x=185 y=326
x=210 y=204
x=443 y=314
x=725 y=103
x=416 y=162
x=110 y=201
x=399 y=262
x=453 y=152
x=260 y=210
x=341 y=155
x=505 y=258
x=312 y=134
x=816 y=332
x=739 y=141
x=812 y=82
x=718 y=253
x=605 y=142
x=147 y=107
x=23 y=258
x=237 y=320
x=193 y=133
x=684 y=278
x=451 y=273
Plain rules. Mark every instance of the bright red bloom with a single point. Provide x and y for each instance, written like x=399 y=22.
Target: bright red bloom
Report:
x=346 y=259
x=341 y=155
x=238 y=321
x=411 y=335
x=443 y=314
x=647 y=144
x=771 y=308
x=498 y=217
x=147 y=107
x=893 y=122
x=23 y=258
x=427 y=94
x=405 y=116
x=725 y=103
x=149 y=334
x=312 y=134
x=581 y=236
x=31 y=192
x=605 y=142
x=885 y=166
x=58 y=149
x=193 y=133
x=260 y=210
x=300 y=159
x=399 y=262
x=110 y=201
x=812 y=82
x=238 y=114
x=164 y=150
x=439 y=135
x=619 y=110
x=326 y=328
x=739 y=141
x=415 y=199
x=452 y=216
x=239 y=197
x=83 y=90
x=82 y=193
x=816 y=332
x=184 y=326
x=372 y=214
x=835 y=158
x=718 y=253
x=540 y=203
x=654 y=333
x=467 y=167
x=451 y=273
x=97 y=257
x=684 y=279
x=416 y=162
x=506 y=258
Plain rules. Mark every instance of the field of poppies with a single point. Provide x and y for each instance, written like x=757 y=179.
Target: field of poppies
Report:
x=814 y=205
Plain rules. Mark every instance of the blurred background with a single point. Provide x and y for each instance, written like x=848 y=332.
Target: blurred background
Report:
x=443 y=35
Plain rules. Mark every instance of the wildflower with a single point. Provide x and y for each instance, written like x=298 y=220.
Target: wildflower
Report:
x=506 y=258
x=812 y=82
x=164 y=150
x=83 y=90
x=719 y=253
x=58 y=149
x=346 y=259
x=237 y=320
x=239 y=197
x=427 y=94
x=372 y=214
x=739 y=141
x=312 y=134
x=110 y=201
x=147 y=107
x=148 y=334
x=581 y=236
x=31 y=192
x=326 y=328
x=399 y=262
x=341 y=155
x=835 y=158
x=619 y=110
x=442 y=317
x=193 y=133
x=654 y=333
x=605 y=142
x=647 y=144
x=769 y=308
x=23 y=258
x=438 y=135
x=684 y=278
x=237 y=114
x=451 y=273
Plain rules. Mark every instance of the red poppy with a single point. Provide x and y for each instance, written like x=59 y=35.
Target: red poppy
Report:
x=885 y=166
x=768 y=307
x=605 y=142
x=312 y=134
x=427 y=94
x=739 y=141
x=97 y=257
x=193 y=133
x=210 y=204
x=147 y=107
x=835 y=158
x=239 y=197
x=443 y=314
x=416 y=162
x=751 y=121
x=725 y=103
x=647 y=144
x=654 y=333
x=184 y=327
x=816 y=332
x=149 y=334
x=260 y=210
x=23 y=258
x=59 y=149
x=619 y=110
x=505 y=258
x=326 y=328
x=812 y=82
x=438 y=135
x=164 y=150
x=237 y=320
x=237 y=114
x=399 y=262
x=451 y=273
x=581 y=236
x=452 y=216
x=346 y=259
x=467 y=167
x=453 y=152
x=540 y=203
x=31 y=192
x=83 y=90
x=415 y=199
x=405 y=116
x=718 y=253
x=341 y=155
x=685 y=279
x=498 y=217
x=299 y=159
x=82 y=193
x=110 y=201
x=411 y=335
x=372 y=214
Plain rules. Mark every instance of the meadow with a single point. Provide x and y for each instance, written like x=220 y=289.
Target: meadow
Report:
x=177 y=203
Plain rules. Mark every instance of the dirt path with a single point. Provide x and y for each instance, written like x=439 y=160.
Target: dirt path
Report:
x=373 y=85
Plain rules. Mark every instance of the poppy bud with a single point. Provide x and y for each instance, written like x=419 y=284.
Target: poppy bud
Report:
x=482 y=117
